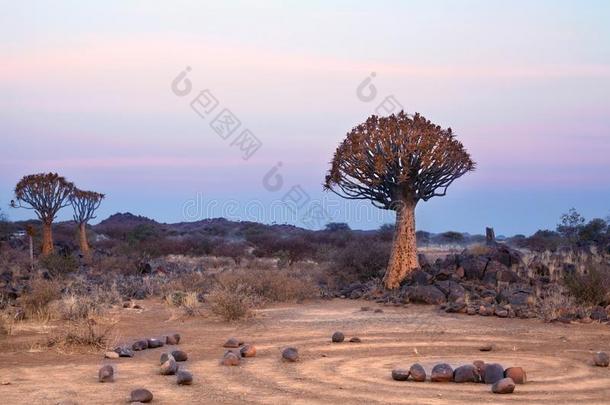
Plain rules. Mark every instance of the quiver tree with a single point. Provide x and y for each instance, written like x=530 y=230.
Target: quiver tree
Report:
x=84 y=203
x=395 y=162
x=46 y=194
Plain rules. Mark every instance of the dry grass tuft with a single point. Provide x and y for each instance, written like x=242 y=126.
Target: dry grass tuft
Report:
x=36 y=302
x=88 y=333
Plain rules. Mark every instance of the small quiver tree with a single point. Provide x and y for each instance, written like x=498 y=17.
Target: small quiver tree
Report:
x=395 y=162
x=84 y=203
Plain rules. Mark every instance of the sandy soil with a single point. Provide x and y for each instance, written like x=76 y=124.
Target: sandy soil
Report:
x=556 y=357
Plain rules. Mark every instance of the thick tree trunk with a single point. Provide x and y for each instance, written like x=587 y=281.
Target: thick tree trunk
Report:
x=403 y=258
x=47 y=239
x=82 y=239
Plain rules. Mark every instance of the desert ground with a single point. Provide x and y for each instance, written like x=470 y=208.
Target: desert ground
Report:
x=557 y=358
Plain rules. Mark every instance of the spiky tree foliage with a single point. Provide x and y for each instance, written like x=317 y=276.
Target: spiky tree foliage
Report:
x=46 y=194
x=84 y=203
x=395 y=162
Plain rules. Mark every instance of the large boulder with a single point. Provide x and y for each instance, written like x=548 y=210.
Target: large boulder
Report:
x=503 y=386
x=601 y=359
x=517 y=374
x=417 y=373
x=427 y=294
x=467 y=373
x=441 y=373
x=141 y=395
x=493 y=373
x=106 y=374
x=400 y=374
x=454 y=291
x=474 y=266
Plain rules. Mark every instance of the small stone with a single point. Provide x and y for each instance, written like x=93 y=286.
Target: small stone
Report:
x=124 y=351
x=230 y=359
x=165 y=357
x=517 y=374
x=465 y=374
x=179 y=355
x=365 y=308
x=493 y=373
x=442 y=373
x=141 y=395
x=601 y=359
x=471 y=311
x=290 y=354
x=503 y=386
x=106 y=374
x=184 y=378
x=139 y=345
x=486 y=348
x=355 y=339
x=338 y=337
x=154 y=343
x=418 y=373
x=172 y=339
x=127 y=304
x=378 y=311
x=137 y=306
x=479 y=365
x=247 y=351
x=111 y=355
x=169 y=367
x=400 y=374
x=231 y=343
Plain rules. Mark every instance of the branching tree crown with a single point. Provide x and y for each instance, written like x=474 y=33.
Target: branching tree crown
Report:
x=85 y=203
x=45 y=193
x=392 y=159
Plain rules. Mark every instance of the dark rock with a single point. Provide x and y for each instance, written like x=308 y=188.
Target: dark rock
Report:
x=441 y=373
x=141 y=395
x=172 y=339
x=230 y=359
x=479 y=365
x=179 y=355
x=184 y=378
x=232 y=343
x=420 y=277
x=507 y=276
x=378 y=310
x=453 y=290
x=165 y=357
x=486 y=347
x=417 y=373
x=247 y=351
x=355 y=339
x=520 y=298
x=154 y=343
x=106 y=374
x=124 y=351
x=503 y=386
x=290 y=354
x=426 y=294
x=599 y=314
x=474 y=267
x=169 y=367
x=517 y=374
x=601 y=359
x=493 y=373
x=127 y=304
x=400 y=374
x=467 y=373
x=338 y=337
x=139 y=345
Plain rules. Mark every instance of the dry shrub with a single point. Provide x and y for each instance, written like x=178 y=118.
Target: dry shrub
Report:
x=187 y=301
x=232 y=302
x=6 y=324
x=592 y=288
x=36 y=301
x=87 y=332
x=58 y=265
x=555 y=303
x=76 y=307
x=479 y=250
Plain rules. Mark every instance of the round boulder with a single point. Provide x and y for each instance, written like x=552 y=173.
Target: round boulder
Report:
x=106 y=374
x=165 y=357
x=417 y=373
x=290 y=354
x=141 y=395
x=465 y=374
x=230 y=359
x=169 y=367
x=184 y=378
x=503 y=386
x=179 y=355
x=601 y=359
x=172 y=339
x=493 y=373
x=139 y=345
x=517 y=374
x=154 y=343
x=442 y=373
x=232 y=343
x=247 y=351
x=400 y=374
x=338 y=337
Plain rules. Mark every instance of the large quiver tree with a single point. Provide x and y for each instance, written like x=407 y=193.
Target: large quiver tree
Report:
x=46 y=194
x=84 y=203
x=395 y=162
